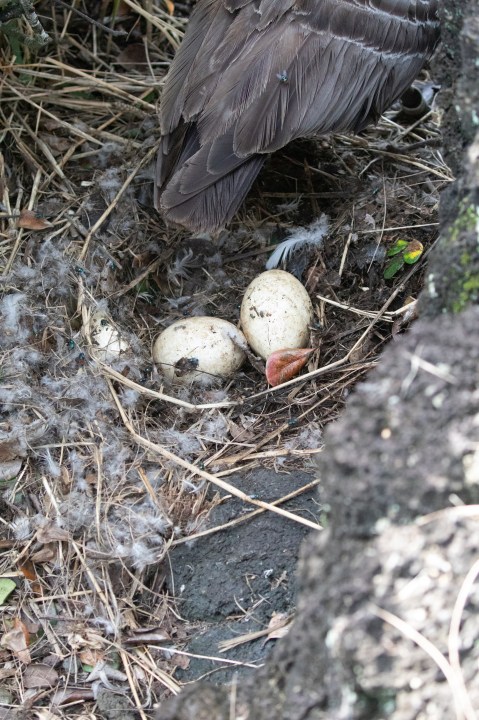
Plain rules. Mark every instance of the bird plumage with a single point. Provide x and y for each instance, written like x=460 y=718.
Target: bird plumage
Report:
x=252 y=75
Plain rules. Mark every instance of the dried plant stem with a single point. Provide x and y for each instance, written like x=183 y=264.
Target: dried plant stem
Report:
x=242 y=639
x=154 y=447
x=464 y=710
x=30 y=206
x=144 y=161
x=345 y=359
x=454 y=637
x=247 y=516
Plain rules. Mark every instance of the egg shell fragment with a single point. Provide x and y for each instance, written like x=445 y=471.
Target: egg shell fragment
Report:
x=106 y=339
x=199 y=349
x=276 y=313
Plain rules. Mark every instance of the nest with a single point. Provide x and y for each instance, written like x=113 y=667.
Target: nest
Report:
x=103 y=465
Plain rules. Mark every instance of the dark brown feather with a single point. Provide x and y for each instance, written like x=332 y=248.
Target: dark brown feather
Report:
x=252 y=75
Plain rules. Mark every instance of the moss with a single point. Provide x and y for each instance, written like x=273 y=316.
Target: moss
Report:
x=381 y=703
x=467 y=292
x=467 y=220
x=465 y=280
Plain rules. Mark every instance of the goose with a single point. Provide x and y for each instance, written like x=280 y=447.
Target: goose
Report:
x=250 y=76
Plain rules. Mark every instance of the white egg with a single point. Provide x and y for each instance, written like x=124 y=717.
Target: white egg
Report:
x=199 y=349
x=276 y=313
x=107 y=342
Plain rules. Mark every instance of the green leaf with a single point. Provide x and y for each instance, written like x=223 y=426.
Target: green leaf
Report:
x=7 y=586
x=413 y=252
x=393 y=267
x=398 y=247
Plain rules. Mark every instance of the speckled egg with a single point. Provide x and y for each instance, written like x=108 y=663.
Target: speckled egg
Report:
x=276 y=313
x=199 y=349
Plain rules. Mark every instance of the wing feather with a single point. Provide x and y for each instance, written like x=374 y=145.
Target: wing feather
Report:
x=252 y=75
x=194 y=59
x=216 y=204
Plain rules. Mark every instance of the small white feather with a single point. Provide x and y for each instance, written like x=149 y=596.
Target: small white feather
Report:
x=312 y=235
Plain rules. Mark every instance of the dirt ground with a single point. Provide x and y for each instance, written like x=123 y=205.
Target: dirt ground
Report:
x=233 y=583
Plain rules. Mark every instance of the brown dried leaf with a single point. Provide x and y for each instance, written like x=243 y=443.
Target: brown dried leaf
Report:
x=238 y=433
x=45 y=714
x=16 y=640
x=7 y=543
x=58 y=145
x=67 y=697
x=181 y=661
x=279 y=625
x=39 y=675
x=9 y=450
x=47 y=553
x=283 y=365
x=52 y=533
x=28 y=571
x=88 y=638
x=123 y=9
x=7 y=672
x=133 y=57
x=90 y=656
x=30 y=220
x=10 y=469
x=147 y=636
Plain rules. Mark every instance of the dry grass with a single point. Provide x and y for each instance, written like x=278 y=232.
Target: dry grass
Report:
x=104 y=467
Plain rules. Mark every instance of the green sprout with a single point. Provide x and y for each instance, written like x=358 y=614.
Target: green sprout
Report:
x=403 y=252
x=7 y=586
